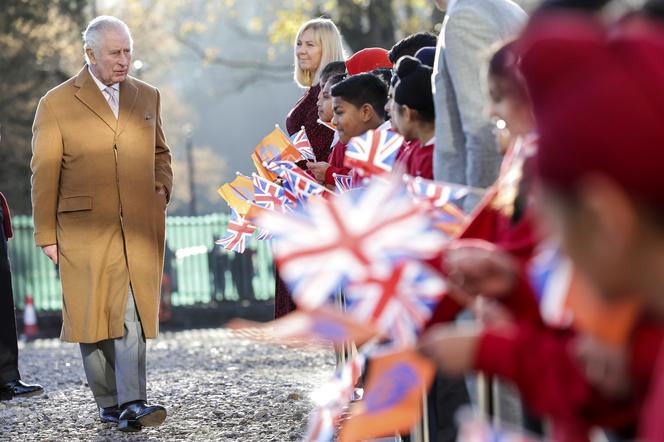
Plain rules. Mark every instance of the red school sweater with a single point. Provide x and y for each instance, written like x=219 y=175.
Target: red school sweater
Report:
x=420 y=160
x=541 y=363
x=336 y=161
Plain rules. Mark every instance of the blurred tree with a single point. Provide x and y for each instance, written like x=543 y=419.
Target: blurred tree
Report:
x=362 y=23
x=39 y=50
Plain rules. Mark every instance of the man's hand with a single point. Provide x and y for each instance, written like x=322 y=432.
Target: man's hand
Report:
x=160 y=189
x=318 y=169
x=52 y=252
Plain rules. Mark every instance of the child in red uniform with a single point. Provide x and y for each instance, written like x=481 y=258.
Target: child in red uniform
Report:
x=598 y=100
x=330 y=70
x=412 y=113
x=504 y=217
x=325 y=109
x=359 y=106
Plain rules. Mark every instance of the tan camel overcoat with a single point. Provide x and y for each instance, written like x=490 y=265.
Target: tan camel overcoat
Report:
x=93 y=194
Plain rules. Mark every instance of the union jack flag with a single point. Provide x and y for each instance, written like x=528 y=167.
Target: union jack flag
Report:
x=398 y=304
x=439 y=199
x=239 y=231
x=275 y=167
x=374 y=152
x=298 y=181
x=263 y=235
x=344 y=183
x=331 y=400
x=270 y=196
x=436 y=193
x=449 y=219
x=301 y=142
x=352 y=237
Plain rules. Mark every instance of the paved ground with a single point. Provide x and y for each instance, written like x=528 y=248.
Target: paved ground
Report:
x=216 y=387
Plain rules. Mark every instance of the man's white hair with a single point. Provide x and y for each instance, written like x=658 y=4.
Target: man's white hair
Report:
x=92 y=36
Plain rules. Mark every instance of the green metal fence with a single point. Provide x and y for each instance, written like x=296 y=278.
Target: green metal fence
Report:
x=196 y=270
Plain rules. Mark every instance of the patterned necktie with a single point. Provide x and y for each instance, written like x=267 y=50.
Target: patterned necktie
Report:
x=112 y=98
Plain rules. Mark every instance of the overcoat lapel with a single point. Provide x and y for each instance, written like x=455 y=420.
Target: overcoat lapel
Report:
x=90 y=95
x=128 y=96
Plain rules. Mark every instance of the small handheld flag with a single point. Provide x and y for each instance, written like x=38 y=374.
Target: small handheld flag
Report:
x=274 y=147
x=392 y=397
x=344 y=183
x=374 y=152
x=238 y=194
x=239 y=231
x=301 y=142
x=348 y=238
x=399 y=304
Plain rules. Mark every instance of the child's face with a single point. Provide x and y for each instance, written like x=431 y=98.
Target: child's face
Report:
x=388 y=105
x=325 y=103
x=599 y=230
x=350 y=121
x=400 y=120
x=504 y=104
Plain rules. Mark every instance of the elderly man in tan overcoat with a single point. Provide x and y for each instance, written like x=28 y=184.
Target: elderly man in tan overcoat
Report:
x=101 y=180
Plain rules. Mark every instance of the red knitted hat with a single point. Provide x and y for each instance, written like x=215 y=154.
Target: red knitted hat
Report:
x=366 y=60
x=598 y=98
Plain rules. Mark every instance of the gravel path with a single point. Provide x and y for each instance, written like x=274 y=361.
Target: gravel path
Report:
x=216 y=387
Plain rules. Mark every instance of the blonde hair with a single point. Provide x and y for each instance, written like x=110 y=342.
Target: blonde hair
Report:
x=327 y=36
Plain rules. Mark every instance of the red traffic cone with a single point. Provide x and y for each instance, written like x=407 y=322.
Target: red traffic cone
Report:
x=30 y=328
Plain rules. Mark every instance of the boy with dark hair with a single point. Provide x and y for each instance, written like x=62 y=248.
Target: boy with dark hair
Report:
x=359 y=105
x=411 y=44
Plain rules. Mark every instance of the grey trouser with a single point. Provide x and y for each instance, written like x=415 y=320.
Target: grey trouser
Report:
x=115 y=368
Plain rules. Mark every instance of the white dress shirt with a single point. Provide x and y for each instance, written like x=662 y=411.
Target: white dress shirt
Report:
x=112 y=100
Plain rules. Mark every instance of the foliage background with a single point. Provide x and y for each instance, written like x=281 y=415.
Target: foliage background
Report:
x=224 y=68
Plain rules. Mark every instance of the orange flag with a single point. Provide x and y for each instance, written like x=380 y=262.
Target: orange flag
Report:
x=275 y=146
x=392 y=397
x=238 y=194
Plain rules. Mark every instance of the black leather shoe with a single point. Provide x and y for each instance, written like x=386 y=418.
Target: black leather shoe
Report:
x=18 y=388
x=136 y=415
x=110 y=415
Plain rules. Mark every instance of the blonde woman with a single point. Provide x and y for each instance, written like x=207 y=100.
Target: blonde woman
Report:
x=318 y=43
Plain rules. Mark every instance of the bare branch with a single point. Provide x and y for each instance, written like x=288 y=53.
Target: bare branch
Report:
x=235 y=64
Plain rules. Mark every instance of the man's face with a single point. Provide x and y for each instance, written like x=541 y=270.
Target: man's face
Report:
x=324 y=104
x=349 y=120
x=111 y=64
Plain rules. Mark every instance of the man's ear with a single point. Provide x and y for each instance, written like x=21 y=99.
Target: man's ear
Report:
x=91 y=55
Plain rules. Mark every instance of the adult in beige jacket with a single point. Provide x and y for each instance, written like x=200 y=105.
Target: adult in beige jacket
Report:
x=101 y=180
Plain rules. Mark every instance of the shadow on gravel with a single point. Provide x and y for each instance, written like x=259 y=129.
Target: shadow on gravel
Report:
x=211 y=315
